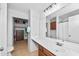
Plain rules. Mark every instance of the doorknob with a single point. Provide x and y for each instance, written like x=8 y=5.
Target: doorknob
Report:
x=1 y=48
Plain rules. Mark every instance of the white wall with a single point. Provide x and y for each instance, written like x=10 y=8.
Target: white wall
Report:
x=13 y=13
x=3 y=27
x=42 y=26
x=21 y=25
x=38 y=28
x=34 y=24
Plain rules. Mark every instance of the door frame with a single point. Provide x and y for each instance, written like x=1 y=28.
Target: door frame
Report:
x=15 y=30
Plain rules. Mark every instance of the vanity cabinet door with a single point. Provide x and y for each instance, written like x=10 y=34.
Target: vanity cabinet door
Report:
x=44 y=52
x=41 y=53
x=47 y=53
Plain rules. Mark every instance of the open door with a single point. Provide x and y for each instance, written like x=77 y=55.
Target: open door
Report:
x=3 y=29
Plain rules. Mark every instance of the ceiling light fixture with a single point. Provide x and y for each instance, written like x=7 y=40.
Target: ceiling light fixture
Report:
x=49 y=7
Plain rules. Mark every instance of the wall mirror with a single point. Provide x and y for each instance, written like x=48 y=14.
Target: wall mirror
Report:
x=69 y=27
x=66 y=28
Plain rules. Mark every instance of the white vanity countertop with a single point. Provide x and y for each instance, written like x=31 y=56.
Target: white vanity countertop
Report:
x=57 y=50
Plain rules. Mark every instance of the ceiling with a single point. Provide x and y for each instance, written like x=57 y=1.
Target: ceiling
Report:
x=26 y=6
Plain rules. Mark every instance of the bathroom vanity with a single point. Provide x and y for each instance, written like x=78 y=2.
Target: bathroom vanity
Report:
x=43 y=51
x=60 y=36
x=48 y=47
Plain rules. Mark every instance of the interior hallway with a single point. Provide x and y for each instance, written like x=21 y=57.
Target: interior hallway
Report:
x=21 y=49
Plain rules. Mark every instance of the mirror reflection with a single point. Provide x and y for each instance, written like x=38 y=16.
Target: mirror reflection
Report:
x=64 y=27
x=51 y=28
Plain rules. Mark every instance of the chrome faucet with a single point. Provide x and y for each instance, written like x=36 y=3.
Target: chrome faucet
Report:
x=59 y=44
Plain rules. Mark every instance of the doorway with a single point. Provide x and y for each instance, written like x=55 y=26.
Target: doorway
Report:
x=20 y=37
